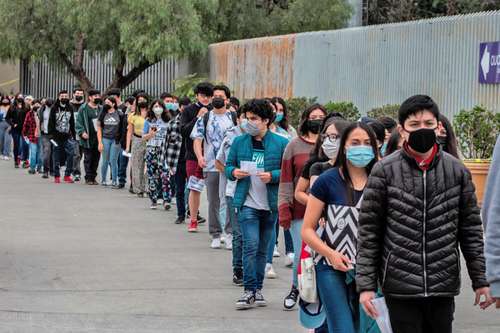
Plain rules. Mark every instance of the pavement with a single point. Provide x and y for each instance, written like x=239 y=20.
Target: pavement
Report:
x=78 y=258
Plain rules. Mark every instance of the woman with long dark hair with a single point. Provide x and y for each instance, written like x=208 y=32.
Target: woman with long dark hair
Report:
x=281 y=119
x=5 y=137
x=136 y=145
x=337 y=195
x=15 y=118
x=446 y=137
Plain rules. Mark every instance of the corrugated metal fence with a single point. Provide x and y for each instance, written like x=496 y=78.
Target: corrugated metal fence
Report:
x=370 y=66
x=43 y=79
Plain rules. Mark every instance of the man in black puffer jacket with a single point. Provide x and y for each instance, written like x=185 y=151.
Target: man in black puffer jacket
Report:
x=419 y=206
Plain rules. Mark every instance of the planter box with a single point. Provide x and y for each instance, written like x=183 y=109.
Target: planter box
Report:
x=479 y=172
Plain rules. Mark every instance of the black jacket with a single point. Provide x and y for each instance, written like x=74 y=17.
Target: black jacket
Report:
x=411 y=225
x=15 y=118
x=188 y=120
x=58 y=119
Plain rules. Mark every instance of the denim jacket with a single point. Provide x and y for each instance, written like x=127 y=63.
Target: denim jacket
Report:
x=242 y=150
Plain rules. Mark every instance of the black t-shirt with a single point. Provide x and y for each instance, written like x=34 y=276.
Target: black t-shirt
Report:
x=188 y=120
x=319 y=168
x=306 y=170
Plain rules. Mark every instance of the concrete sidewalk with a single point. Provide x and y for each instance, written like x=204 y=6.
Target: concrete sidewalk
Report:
x=78 y=258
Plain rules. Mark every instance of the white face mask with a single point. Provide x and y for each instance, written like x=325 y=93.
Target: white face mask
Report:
x=330 y=148
x=158 y=111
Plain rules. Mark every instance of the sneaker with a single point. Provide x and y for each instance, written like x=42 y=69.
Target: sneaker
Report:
x=215 y=243
x=120 y=186
x=193 y=226
x=229 y=242
x=77 y=178
x=140 y=195
x=68 y=179
x=104 y=183
x=238 y=277
x=166 y=205
x=291 y=299
x=259 y=299
x=26 y=165
x=179 y=220
x=246 y=301
x=45 y=175
x=115 y=187
x=31 y=172
x=6 y=158
x=223 y=238
x=131 y=190
x=201 y=219
x=269 y=272
x=154 y=205
x=276 y=253
x=289 y=258
x=57 y=180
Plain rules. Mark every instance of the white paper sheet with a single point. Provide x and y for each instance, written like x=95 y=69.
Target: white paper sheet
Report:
x=250 y=167
x=383 y=319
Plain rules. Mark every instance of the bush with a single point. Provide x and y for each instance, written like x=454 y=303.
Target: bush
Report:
x=184 y=86
x=477 y=132
x=347 y=109
x=388 y=110
x=296 y=105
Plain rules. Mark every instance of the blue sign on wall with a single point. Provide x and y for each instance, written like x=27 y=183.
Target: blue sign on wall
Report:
x=489 y=63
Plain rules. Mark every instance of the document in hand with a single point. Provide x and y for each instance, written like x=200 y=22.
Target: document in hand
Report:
x=383 y=319
x=250 y=167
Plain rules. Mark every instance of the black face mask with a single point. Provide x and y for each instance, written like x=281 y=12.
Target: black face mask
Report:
x=20 y=100
x=218 y=103
x=422 y=140
x=142 y=105
x=6 y=104
x=97 y=100
x=106 y=107
x=78 y=98
x=441 y=140
x=36 y=108
x=64 y=101
x=314 y=126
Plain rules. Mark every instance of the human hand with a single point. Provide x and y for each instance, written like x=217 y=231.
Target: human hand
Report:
x=488 y=300
x=85 y=136
x=202 y=163
x=265 y=177
x=365 y=299
x=239 y=174
x=100 y=147
x=339 y=261
x=202 y=112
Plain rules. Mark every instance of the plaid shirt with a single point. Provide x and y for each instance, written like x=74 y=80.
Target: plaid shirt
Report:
x=29 y=127
x=171 y=149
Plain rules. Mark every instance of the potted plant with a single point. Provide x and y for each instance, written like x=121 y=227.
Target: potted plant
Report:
x=347 y=109
x=477 y=131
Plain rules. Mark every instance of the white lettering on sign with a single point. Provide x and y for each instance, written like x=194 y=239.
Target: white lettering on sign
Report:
x=495 y=60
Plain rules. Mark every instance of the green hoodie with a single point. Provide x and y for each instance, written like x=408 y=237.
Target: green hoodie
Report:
x=84 y=124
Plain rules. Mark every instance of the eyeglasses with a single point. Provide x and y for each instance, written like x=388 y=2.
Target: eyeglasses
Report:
x=330 y=136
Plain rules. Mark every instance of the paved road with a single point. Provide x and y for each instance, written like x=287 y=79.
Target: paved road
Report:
x=91 y=259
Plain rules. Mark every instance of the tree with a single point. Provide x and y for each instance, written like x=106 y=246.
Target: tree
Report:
x=137 y=33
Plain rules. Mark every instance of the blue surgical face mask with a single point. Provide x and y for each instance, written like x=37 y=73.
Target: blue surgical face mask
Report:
x=172 y=106
x=243 y=124
x=360 y=156
x=278 y=118
x=383 y=149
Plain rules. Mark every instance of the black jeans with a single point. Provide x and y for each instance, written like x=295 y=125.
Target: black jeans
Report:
x=122 y=168
x=64 y=149
x=180 y=187
x=91 y=162
x=421 y=315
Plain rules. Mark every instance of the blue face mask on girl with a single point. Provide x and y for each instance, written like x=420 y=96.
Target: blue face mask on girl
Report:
x=278 y=118
x=360 y=156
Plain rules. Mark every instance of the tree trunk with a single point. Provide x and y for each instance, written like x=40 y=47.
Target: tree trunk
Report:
x=122 y=81
x=75 y=66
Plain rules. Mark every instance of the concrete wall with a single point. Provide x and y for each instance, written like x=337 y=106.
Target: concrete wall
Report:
x=9 y=77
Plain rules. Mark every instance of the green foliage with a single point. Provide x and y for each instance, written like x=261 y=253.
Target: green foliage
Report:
x=388 y=110
x=347 y=109
x=477 y=131
x=296 y=105
x=184 y=86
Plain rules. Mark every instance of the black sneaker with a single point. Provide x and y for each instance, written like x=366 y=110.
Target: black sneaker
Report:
x=246 y=301
x=238 y=277
x=291 y=299
x=259 y=299
x=201 y=219
x=180 y=220
x=121 y=186
x=45 y=175
x=76 y=178
x=166 y=206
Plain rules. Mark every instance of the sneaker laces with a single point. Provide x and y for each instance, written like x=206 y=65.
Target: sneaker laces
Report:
x=293 y=295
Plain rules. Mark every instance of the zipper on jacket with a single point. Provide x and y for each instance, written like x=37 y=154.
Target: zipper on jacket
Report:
x=424 y=232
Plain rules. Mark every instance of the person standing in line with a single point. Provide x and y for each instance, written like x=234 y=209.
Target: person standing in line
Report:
x=136 y=145
x=491 y=221
x=109 y=125
x=255 y=162
x=62 y=132
x=76 y=103
x=419 y=206
x=291 y=212
x=31 y=133
x=5 y=128
x=15 y=118
x=86 y=128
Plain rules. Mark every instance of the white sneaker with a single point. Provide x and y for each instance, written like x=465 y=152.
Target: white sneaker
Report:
x=223 y=238
x=269 y=272
x=215 y=243
x=276 y=253
x=289 y=259
x=229 y=242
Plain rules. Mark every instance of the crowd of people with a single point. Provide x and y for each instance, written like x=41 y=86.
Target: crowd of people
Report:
x=381 y=206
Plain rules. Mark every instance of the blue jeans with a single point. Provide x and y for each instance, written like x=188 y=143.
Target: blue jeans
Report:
x=110 y=156
x=295 y=229
x=272 y=243
x=5 y=139
x=35 y=160
x=257 y=228
x=288 y=239
x=122 y=168
x=336 y=297
x=64 y=147
x=237 y=237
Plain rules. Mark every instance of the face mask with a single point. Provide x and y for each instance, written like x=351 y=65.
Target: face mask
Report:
x=106 y=107
x=36 y=108
x=78 y=98
x=218 y=103
x=20 y=100
x=252 y=129
x=158 y=111
x=441 y=140
x=314 y=126
x=244 y=124
x=279 y=117
x=360 y=156
x=142 y=105
x=64 y=101
x=383 y=149
x=330 y=148
x=5 y=104
x=172 y=106
x=422 y=140
x=97 y=100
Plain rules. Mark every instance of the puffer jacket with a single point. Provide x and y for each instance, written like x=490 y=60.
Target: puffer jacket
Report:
x=411 y=225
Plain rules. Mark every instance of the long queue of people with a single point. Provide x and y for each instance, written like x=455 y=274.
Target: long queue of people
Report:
x=381 y=206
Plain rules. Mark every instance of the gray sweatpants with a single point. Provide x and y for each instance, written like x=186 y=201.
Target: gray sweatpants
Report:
x=214 y=226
